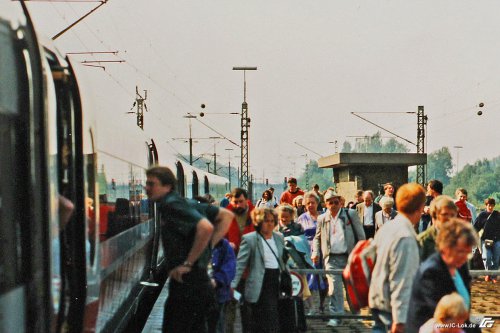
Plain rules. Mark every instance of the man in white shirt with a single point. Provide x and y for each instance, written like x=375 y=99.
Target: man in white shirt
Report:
x=336 y=234
x=366 y=212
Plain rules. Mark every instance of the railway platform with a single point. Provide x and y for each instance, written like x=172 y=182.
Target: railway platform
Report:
x=485 y=303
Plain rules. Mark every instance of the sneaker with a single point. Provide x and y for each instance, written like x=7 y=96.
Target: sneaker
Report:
x=312 y=312
x=333 y=323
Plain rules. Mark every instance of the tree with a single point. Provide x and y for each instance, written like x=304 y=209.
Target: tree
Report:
x=439 y=165
x=315 y=175
x=374 y=144
x=346 y=147
x=481 y=180
x=393 y=146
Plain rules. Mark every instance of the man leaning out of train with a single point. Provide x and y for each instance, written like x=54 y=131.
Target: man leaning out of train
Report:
x=190 y=292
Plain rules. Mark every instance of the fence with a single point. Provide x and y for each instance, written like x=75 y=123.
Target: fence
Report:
x=473 y=273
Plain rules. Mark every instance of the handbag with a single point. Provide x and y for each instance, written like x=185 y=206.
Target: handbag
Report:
x=476 y=262
x=285 y=277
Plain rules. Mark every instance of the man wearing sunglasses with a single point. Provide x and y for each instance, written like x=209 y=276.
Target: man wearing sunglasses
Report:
x=336 y=234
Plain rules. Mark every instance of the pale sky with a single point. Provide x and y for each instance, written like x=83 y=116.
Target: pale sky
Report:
x=317 y=61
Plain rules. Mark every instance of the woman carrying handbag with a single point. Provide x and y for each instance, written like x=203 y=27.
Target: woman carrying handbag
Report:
x=260 y=254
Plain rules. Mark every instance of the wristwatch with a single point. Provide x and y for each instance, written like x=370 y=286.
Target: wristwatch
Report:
x=187 y=263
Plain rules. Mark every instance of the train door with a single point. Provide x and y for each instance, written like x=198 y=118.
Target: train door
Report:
x=157 y=255
x=69 y=169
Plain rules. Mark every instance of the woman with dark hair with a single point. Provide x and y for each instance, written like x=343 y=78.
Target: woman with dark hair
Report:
x=442 y=273
x=489 y=221
x=261 y=254
x=266 y=200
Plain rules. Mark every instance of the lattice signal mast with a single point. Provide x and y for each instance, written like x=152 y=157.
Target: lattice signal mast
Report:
x=245 y=125
x=140 y=103
x=421 y=126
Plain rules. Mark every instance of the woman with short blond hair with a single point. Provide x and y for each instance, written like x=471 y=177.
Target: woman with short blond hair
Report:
x=261 y=253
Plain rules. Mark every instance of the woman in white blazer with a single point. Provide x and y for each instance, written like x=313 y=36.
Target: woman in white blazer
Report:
x=261 y=253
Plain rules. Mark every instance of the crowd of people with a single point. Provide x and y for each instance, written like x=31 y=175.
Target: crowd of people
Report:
x=224 y=259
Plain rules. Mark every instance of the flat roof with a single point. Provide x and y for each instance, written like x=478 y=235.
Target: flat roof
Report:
x=347 y=159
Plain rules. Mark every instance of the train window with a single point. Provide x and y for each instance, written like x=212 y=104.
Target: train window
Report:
x=12 y=181
x=153 y=153
x=196 y=185
x=181 y=188
x=9 y=96
x=207 y=185
x=122 y=198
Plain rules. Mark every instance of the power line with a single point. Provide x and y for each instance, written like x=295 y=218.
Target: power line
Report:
x=382 y=128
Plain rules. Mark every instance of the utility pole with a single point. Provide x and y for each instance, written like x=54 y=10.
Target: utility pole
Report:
x=245 y=124
x=190 y=116
x=421 y=126
x=457 y=148
x=215 y=154
x=229 y=166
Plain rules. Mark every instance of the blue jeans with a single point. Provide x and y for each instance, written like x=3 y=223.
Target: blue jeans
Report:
x=493 y=256
x=383 y=321
x=335 y=284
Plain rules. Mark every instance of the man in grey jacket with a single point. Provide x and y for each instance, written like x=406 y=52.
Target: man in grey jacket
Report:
x=336 y=236
x=397 y=262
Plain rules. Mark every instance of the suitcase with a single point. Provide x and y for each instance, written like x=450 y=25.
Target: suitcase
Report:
x=357 y=274
x=292 y=315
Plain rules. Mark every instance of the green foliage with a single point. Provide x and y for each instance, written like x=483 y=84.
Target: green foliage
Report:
x=439 y=165
x=374 y=144
x=481 y=180
x=315 y=175
x=495 y=195
x=346 y=147
x=393 y=146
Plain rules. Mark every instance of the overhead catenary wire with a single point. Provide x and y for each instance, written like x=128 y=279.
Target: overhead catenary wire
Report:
x=149 y=77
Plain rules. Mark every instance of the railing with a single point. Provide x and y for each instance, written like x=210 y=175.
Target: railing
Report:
x=473 y=273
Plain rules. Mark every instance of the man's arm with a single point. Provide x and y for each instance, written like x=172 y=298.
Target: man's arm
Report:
x=204 y=231
x=221 y=225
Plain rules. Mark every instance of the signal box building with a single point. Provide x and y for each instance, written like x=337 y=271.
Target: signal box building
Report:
x=369 y=171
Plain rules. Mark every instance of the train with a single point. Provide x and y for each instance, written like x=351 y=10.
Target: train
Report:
x=80 y=242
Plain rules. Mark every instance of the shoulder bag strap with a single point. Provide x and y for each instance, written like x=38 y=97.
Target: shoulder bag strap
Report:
x=270 y=248
x=487 y=219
